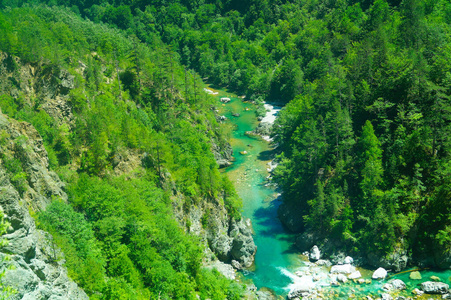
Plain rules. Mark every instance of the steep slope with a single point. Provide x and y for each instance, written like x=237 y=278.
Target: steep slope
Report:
x=34 y=263
x=135 y=153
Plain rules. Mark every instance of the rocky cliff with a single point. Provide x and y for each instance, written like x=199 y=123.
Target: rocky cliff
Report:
x=33 y=186
x=34 y=265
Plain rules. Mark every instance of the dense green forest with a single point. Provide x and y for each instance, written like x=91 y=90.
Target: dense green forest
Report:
x=364 y=137
x=363 y=140
x=129 y=102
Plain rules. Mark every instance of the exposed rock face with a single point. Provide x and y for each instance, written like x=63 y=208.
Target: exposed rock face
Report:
x=223 y=155
x=396 y=261
x=37 y=266
x=431 y=287
x=227 y=238
x=315 y=254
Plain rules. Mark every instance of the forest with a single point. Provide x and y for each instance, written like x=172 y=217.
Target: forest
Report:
x=128 y=101
x=363 y=141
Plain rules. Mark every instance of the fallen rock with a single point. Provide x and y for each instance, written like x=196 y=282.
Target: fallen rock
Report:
x=387 y=287
x=323 y=262
x=315 y=254
x=398 y=284
x=348 y=260
x=435 y=278
x=386 y=296
x=225 y=100
x=417 y=292
x=355 y=275
x=431 y=287
x=342 y=269
x=342 y=278
x=299 y=291
x=380 y=273
x=415 y=275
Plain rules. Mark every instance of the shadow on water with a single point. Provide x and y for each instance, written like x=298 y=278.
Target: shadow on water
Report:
x=266 y=155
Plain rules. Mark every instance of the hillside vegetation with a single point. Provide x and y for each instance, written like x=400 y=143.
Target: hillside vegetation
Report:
x=364 y=137
x=129 y=134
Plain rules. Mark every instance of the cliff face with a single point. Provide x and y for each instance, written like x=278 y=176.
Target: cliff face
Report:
x=34 y=265
x=228 y=239
x=27 y=187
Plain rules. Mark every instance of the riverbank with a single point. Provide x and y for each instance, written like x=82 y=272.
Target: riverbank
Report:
x=279 y=266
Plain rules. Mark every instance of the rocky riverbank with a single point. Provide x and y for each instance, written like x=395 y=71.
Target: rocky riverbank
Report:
x=342 y=278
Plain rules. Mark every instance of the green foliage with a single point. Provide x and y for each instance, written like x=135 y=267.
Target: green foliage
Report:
x=119 y=237
x=75 y=236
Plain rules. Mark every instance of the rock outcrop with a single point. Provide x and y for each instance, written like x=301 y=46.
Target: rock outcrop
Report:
x=228 y=239
x=223 y=154
x=34 y=267
x=432 y=287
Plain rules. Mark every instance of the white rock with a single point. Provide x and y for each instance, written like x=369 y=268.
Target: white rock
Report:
x=380 y=273
x=386 y=296
x=342 y=278
x=355 y=275
x=388 y=287
x=225 y=100
x=417 y=292
x=315 y=254
x=342 y=269
x=348 y=260
x=361 y=281
x=398 y=284
x=432 y=287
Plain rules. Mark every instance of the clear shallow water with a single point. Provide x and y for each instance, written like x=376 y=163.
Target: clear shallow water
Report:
x=277 y=260
x=275 y=253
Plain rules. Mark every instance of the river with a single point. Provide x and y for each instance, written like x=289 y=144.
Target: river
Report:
x=277 y=260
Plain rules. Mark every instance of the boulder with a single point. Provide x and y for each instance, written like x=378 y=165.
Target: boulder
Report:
x=387 y=287
x=314 y=254
x=342 y=278
x=355 y=275
x=386 y=296
x=432 y=287
x=342 y=269
x=398 y=284
x=417 y=292
x=299 y=291
x=380 y=273
x=435 y=278
x=348 y=260
x=225 y=100
x=323 y=262
x=415 y=275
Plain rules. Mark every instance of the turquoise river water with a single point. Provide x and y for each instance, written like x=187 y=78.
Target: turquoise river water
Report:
x=276 y=260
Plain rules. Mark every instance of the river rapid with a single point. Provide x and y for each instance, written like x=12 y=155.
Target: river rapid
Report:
x=279 y=266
